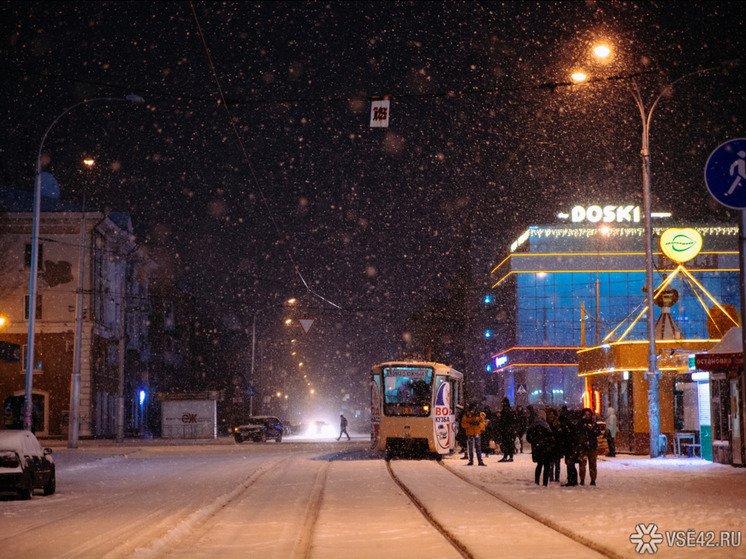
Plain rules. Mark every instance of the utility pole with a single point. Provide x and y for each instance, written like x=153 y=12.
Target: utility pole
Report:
x=120 y=391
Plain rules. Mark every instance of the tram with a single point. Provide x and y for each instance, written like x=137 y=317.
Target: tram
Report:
x=414 y=408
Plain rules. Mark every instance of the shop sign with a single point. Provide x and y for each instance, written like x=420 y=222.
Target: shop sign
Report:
x=718 y=361
x=680 y=245
x=606 y=214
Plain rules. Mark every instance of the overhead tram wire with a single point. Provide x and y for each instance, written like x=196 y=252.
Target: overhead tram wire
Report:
x=328 y=98
x=248 y=161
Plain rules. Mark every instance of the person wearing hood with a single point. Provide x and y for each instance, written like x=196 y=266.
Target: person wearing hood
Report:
x=611 y=430
x=590 y=430
x=540 y=437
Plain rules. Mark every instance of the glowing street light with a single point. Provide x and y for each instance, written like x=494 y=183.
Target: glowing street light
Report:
x=602 y=51
x=579 y=77
x=253 y=346
x=28 y=407
x=652 y=373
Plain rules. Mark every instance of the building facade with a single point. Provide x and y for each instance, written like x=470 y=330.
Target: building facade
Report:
x=566 y=288
x=114 y=316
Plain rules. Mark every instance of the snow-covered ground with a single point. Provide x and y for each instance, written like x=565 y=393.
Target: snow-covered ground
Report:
x=675 y=494
x=204 y=499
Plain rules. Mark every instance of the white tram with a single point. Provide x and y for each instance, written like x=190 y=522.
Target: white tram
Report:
x=414 y=408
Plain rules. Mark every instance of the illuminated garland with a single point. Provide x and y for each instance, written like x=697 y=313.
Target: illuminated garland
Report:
x=588 y=232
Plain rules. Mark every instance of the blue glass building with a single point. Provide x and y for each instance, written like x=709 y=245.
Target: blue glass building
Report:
x=580 y=284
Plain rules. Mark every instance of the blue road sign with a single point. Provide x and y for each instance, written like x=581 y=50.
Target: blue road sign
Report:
x=725 y=174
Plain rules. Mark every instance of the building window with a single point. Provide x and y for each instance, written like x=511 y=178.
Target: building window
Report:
x=37 y=358
x=26 y=307
x=27 y=256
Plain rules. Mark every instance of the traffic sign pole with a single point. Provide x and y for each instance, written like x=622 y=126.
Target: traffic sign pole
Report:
x=725 y=178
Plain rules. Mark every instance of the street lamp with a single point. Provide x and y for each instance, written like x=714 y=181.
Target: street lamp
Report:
x=73 y=423
x=652 y=373
x=253 y=349
x=28 y=408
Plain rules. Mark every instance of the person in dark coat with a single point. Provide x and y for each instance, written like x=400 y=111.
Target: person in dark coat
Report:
x=521 y=425
x=569 y=443
x=507 y=431
x=554 y=465
x=343 y=427
x=590 y=431
x=540 y=437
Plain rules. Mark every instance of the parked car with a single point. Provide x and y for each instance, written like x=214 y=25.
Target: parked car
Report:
x=259 y=428
x=25 y=465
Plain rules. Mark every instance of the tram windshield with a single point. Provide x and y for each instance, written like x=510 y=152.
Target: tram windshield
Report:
x=407 y=390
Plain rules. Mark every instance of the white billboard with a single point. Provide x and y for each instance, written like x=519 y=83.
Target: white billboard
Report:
x=189 y=419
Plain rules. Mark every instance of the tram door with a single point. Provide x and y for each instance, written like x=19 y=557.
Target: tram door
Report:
x=735 y=399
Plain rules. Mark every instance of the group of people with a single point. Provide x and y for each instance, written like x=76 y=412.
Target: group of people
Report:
x=557 y=435
x=502 y=428
x=553 y=435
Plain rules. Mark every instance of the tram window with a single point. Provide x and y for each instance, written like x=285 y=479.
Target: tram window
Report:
x=408 y=390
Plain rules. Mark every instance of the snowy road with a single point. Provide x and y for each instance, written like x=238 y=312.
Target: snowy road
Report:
x=328 y=499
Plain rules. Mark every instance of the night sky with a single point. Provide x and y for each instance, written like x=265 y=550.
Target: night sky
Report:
x=289 y=186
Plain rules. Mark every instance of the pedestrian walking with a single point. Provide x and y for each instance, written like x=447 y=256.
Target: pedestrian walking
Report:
x=343 y=427
x=590 y=431
x=611 y=431
x=473 y=424
x=540 y=437
x=507 y=431
x=521 y=425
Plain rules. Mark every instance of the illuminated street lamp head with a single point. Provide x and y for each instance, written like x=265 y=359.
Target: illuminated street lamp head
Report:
x=578 y=77
x=2 y=321
x=292 y=301
x=602 y=51
x=88 y=162
x=604 y=229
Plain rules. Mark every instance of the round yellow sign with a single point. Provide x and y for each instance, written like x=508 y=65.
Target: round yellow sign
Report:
x=680 y=245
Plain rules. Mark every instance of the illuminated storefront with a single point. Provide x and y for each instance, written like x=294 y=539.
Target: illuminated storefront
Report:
x=571 y=286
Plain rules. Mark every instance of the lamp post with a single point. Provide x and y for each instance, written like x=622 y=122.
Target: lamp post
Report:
x=74 y=427
x=289 y=302
x=652 y=373
x=28 y=407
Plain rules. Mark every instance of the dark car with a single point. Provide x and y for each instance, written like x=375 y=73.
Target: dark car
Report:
x=259 y=428
x=25 y=465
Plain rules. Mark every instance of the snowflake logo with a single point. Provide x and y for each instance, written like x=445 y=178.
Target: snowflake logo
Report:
x=646 y=538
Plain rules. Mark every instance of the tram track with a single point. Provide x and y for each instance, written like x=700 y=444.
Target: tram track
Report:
x=454 y=540
x=582 y=540
x=458 y=534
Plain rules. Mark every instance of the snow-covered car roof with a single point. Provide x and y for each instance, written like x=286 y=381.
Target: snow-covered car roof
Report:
x=23 y=442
